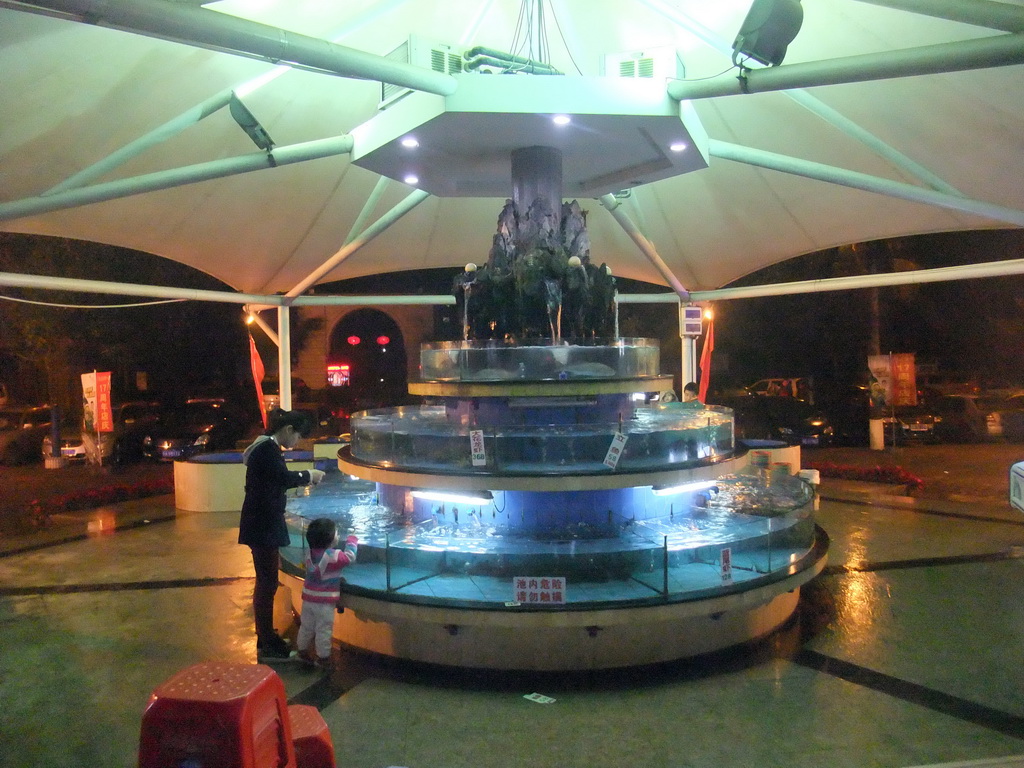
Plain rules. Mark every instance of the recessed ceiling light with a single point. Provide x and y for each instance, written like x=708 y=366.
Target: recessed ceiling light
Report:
x=410 y=142
x=411 y=180
x=561 y=120
x=677 y=146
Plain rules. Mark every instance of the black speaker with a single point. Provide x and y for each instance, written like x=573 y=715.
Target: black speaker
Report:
x=768 y=30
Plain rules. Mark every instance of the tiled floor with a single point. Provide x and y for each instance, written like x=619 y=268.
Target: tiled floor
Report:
x=905 y=652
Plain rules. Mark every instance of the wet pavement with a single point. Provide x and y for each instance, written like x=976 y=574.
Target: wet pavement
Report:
x=904 y=652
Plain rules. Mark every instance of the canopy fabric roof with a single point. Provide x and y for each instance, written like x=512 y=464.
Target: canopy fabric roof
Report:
x=73 y=93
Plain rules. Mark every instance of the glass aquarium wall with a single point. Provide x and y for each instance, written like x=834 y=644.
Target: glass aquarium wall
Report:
x=743 y=529
x=538 y=360
x=427 y=438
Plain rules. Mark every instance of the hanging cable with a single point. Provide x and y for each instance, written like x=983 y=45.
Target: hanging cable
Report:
x=91 y=306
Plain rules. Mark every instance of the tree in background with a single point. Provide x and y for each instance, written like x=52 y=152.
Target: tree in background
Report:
x=184 y=348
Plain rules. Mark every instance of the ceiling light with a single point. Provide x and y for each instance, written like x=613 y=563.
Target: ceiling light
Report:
x=677 y=146
x=410 y=142
x=767 y=31
x=669 y=490
x=456 y=497
x=411 y=179
x=248 y=123
x=561 y=119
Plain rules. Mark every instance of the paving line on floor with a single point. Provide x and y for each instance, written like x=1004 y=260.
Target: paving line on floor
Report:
x=997 y=720
x=911 y=507
x=68 y=589
x=1013 y=553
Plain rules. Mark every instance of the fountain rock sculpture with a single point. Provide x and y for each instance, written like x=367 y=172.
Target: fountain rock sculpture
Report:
x=539 y=281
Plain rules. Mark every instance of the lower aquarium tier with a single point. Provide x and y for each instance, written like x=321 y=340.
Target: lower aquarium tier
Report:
x=573 y=639
x=510 y=570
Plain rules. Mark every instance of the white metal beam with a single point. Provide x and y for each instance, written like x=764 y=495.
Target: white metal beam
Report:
x=205 y=28
x=176 y=177
x=381 y=224
x=980 y=13
x=855 y=180
x=982 y=53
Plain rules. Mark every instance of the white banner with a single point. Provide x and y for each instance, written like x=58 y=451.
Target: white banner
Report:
x=611 y=459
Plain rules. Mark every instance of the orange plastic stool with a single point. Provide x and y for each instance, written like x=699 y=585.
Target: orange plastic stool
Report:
x=218 y=715
x=312 y=739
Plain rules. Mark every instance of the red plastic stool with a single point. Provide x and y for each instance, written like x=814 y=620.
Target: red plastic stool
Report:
x=312 y=739
x=218 y=715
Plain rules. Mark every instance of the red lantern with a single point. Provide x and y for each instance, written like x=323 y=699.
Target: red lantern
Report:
x=383 y=340
x=353 y=340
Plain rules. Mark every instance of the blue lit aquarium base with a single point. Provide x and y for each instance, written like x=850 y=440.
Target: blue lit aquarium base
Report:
x=467 y=591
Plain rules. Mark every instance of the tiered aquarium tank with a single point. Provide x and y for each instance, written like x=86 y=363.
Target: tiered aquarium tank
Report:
x=544 y=508
x=539 y=482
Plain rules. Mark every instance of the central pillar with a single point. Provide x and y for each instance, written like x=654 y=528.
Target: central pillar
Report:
x=537 y=173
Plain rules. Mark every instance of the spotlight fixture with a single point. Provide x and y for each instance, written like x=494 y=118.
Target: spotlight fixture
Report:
x=456 y=497
x=770 y=26
x=409 y=142
x=248 y=123
x=561 y=120
x=671 y=490
x=677 y=146
x=411 y=179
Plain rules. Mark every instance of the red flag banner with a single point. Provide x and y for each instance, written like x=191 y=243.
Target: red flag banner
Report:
x=104 y=410
x=705 y=361
x=258 y=372
x=99 y=415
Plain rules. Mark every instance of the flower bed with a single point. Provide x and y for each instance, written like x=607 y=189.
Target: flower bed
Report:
x=40 y=510
x=891 y=474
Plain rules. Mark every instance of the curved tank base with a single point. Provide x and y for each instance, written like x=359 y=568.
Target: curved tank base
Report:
x=567 y=640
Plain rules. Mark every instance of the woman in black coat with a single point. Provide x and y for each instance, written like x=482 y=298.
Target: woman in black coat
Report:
x=262 y=526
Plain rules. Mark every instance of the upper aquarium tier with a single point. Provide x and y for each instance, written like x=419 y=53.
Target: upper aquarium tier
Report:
x=429 y=439
x=538 y=360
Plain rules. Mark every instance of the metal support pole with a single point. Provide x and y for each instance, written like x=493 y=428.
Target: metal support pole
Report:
x=855 y=180
x=982 y=53
x=689 y=366
x=191 y=25
x=354 y=245
x=980 y=13
x=646 y=246
x=157 y=136
x=176 y=177
x=284 y=356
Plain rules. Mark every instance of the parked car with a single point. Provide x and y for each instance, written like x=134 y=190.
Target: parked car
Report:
x=848 y=409
x=797 y=386
x=200 y=425
x=21 y=431
x=133 y=420
x=958 y=419
x=787 y=419
x=910 y=423
x=1005 y=416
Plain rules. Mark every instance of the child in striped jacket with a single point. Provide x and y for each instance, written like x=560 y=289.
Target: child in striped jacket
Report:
x=322 y=589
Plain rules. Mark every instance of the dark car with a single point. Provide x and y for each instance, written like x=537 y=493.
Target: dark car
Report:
x=848 y=409
x=21 y=432
x=910 y=423
x=1005 y=417
x=133 y=421
x=198 y=426
x=787 y=419
x=959 y=419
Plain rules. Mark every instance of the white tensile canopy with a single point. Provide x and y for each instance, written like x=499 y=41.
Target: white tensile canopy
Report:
x=887 y=118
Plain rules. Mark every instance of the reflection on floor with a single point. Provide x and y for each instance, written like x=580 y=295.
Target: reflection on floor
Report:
x=904 y=653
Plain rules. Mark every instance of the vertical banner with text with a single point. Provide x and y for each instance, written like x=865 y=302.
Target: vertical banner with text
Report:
x=99 y=415
x=893 y=380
